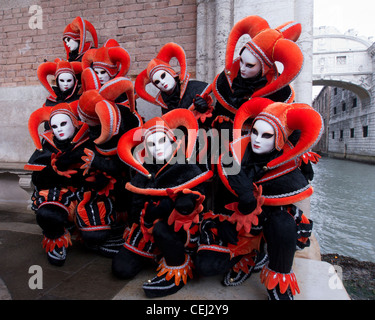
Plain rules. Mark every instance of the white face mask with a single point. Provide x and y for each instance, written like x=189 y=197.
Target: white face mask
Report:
x=262 y=137
x=72 y=44
x=159 y=146
x=102 y=75
x=249 y=65
x=164 y=81
x=62 y=126
x=65 y=81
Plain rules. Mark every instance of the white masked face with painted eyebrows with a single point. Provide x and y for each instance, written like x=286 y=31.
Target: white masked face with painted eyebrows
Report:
x=102 y=75
x=65 y=81
x=262 y=137
x=249 y=65
x=159 y=146
x=71 y=44
x=164 y=81
x=62 y=126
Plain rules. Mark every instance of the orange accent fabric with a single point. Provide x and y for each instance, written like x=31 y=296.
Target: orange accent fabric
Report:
x=246 y=221
x=179 y=273
x=246 y=244
x=185 y=221
x=271 y=279
x=244 y=264
x=163 y=192
x=64 y=241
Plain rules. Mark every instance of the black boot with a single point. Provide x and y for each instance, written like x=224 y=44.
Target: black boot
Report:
x=57 y=256
x=56 y=248
x=169 y=280
x=242 y=270
x=275 y=294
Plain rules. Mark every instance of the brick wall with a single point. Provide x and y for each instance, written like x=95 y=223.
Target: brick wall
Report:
x=140 y=26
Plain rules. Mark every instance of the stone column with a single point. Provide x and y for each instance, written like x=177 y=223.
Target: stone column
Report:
x=223 y=25
x=304 y=10
x=214 y=22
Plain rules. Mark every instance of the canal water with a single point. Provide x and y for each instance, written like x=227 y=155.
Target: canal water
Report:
x=343 y=208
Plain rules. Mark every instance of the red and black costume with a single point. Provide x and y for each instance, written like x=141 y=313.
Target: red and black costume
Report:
x=259 y=205
x=54 y=199
x=56 y=68
x=77 y=30
x=106 y=122
x=268 y=46
x=114 y=59
x=188 y=94
x=167 y=201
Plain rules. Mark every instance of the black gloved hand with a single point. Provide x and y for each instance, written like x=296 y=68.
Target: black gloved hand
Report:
x=65 y=160
x=158 y=211
x=99 y=182
x=185 y=203
x=307 y=170
x=200 y=104
x=227 y=232
x=248 y=205
x=241 y=184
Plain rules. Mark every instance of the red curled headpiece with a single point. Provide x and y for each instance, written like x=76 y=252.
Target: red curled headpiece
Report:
x=167 y=123
x=284 y=118
x=44 y=114
x=161 y=62
x=268 y=46
x=76 y=30
x=56 y=68
x=111 y=57
x=98 y=105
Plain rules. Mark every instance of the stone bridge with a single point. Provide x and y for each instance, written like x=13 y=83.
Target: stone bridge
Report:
x=345 y=61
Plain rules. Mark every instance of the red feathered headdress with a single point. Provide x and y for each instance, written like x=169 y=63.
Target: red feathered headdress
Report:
x=98 y=105
x=44 y=114
x=284 y=118
x=268 y=46
x=56 y=68
x=111 y=57
x=161 y=62
x=76 y=30
x=167 y=123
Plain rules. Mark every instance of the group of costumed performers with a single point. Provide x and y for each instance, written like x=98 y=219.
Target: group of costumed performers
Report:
x=136 y=190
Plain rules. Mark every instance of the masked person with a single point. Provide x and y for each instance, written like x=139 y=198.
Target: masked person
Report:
x=263 y=178
x=175 y=89
x=54 y=199
x=108 y=62
x=254 y=73
x=75 y=39
x=168 y=193
x=106 y=121
x=66 y=76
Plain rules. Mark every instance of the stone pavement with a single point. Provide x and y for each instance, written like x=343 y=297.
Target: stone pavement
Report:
x=87 y=275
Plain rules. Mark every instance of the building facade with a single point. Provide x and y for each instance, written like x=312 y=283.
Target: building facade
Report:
x=349 y=125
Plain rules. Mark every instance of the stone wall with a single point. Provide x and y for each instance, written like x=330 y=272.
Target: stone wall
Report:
x=32 y=31
x=348 y=118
